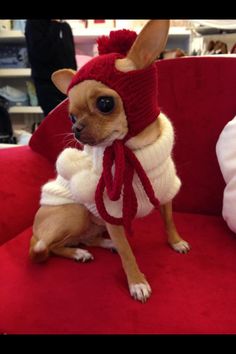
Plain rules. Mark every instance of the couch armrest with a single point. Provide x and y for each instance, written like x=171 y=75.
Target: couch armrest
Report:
x=22 y=174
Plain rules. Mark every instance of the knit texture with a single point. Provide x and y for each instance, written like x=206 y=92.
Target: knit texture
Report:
x=56 y=192
x=117 y=42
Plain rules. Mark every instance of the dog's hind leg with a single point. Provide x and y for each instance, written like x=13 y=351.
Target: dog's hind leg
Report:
x=173 y=237
x=55 y=228
x=94 y=237
x=100 y=241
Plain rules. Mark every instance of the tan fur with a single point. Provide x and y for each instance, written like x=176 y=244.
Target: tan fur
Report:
x=146 y=137
x=149 y=43
x=125 y=65
x=65 y=77
x=61 y=226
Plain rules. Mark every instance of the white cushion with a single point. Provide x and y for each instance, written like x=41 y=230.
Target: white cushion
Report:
x=226 y=154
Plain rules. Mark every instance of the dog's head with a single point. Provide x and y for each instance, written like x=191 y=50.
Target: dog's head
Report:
x=115 y=95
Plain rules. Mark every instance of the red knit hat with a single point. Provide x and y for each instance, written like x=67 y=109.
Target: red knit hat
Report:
x=137 y=88
x=138 y=91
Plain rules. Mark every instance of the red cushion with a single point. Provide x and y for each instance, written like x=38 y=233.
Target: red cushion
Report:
x=22 y=174
x=198 y=94
x=192 y=293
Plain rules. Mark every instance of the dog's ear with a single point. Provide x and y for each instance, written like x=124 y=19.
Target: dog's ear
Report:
x=62 y=78
x=150 y=42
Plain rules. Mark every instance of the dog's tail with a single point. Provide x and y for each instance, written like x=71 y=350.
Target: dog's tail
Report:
x=39 y=251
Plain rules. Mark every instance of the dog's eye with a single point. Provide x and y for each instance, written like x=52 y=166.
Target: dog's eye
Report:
x=105 y=104
x=72 y=118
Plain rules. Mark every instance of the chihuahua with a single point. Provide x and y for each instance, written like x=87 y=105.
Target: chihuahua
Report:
x=68 y=215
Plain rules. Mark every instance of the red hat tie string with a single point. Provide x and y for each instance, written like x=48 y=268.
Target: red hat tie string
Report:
x=125 y=164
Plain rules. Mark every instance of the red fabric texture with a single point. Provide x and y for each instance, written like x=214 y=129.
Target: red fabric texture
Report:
x=193 y=293
x=198 y=95
x=22 y=174
x=119 y=41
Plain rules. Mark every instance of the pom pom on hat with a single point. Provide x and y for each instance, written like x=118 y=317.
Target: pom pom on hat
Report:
x=117 y=42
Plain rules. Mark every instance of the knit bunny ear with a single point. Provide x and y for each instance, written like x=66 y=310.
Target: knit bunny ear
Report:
x=117 y=42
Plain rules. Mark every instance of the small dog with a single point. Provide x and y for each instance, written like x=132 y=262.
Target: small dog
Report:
x=101 y=116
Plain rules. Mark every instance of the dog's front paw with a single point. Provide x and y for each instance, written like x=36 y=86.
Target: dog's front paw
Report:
x=140 y=291
x=82 y=255
x=71 y=161
x=181 y=246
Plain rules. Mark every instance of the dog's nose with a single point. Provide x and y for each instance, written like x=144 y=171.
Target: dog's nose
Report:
x=79 y=127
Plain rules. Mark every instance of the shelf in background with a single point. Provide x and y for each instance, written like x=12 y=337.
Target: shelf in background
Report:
x=15 y=72
x=12 y=36
x=85 y=35
x=25 y=109
x=179 y=31
x=223 y=36
x=90 y=35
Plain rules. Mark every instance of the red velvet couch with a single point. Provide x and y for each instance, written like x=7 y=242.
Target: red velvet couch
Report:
x=193 y=293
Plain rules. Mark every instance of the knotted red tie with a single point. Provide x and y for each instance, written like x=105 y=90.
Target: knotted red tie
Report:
x=125 y=164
